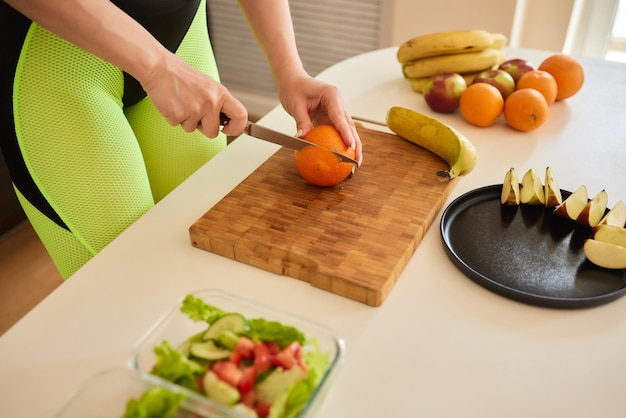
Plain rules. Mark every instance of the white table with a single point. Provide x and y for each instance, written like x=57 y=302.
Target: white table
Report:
x=439 y=346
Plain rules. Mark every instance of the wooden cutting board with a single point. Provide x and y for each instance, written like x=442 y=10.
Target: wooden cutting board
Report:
x=353 y=239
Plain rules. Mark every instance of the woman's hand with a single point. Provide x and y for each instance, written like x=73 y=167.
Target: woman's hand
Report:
x=192 y=99
x=312 y=102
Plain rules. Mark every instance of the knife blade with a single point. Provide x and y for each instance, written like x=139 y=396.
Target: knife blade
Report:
x=270 y=135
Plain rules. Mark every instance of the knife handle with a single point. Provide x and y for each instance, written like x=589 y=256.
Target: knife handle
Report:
x=224 y=119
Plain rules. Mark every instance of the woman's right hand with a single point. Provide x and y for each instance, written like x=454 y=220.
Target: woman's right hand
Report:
x=194 y=100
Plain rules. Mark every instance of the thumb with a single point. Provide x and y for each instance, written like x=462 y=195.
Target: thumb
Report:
x=304 y=124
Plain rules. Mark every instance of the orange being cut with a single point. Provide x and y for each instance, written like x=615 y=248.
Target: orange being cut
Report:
x=318 y=165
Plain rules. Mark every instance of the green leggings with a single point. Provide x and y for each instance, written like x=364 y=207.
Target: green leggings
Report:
x=100 y=166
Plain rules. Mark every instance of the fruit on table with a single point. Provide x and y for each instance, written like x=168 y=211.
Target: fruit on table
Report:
x=516 y=67
x=540 y=80
x=418 y=83
x=605 y=255
x=455 y=63
x=510 y=195
x=568 y=73
x=594 y=209
x=500 y=79
x=615 y=216
x=553 y=195
x=466 y=52
x=573 y=205
x=442 y=92
x=531 y=191
x=318 y=165
x=435 y=136
x=452 y=42
x=525 y=110
x=481 y=104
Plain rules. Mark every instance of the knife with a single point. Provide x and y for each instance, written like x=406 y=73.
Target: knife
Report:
x=279 y=138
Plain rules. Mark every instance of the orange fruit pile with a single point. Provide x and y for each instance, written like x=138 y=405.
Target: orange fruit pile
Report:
x=557 y=78
x=318 y=165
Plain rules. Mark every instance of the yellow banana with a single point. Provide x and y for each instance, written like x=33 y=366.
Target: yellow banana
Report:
x=435 y=136
x=452 y=42
x=418 y=84
x=454 y=63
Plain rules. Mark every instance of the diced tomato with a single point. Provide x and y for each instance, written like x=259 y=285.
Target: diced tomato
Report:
x=249 y=398
x=228 y=372
x=245 y=347
x=289 y=356
x=248 y=378
x=262 y=359
x=235 y=357
x=199 y=381
x=303 y=365
x=263 y=409
x=273 y=347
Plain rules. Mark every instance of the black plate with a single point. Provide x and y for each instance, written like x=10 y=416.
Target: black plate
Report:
x=525 y=253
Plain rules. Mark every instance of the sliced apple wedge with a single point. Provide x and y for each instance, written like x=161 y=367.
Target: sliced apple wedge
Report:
x=610 y=234
x=510 y=189
x=616 y=216
x=594 y=210
x=573 y=205
x=605 y=255
x=552 y=191
x=531 y=191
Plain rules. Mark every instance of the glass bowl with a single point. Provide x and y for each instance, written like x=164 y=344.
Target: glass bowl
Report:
x=106 y=395
x=176 y=327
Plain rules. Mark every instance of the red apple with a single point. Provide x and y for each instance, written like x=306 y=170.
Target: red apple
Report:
x=500 y=79
x=516 y=67
x=442 y=92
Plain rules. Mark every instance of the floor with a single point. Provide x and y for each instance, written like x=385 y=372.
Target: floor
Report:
x=27 y=274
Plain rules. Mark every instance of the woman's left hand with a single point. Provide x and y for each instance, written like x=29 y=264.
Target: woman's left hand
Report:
x=312 y=102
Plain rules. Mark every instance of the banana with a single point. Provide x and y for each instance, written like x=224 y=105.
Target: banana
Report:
x=418 y=84
x=453 y=42
x=455 y=63
x=435 y=136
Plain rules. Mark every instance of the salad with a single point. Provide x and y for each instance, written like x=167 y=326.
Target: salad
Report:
x=260 y=368
x=157 y=402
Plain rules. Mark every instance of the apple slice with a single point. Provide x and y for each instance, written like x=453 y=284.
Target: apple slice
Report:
x=553 y=195
x=510 y=189
x=610 y=234
x=573 y=205
x=531 y=192
x=604 y=254
x=594 y=210
x=616 y=216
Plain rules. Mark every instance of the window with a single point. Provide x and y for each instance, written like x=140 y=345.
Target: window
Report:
x=617 y=44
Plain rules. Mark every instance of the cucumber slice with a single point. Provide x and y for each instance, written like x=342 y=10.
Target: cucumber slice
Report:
x=278 y=382
x=234 y=322
x=209 y=351
x=218 y=390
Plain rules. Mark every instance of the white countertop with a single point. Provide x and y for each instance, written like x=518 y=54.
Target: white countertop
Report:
x=439 y=346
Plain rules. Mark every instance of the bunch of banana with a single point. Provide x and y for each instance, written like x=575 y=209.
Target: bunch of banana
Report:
x=435 y=136
x=465 y=52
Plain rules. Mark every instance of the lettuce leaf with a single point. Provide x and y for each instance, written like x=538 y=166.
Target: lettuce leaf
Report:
x=198 y=310
x=174 y=366
x=263 y=330
x=155 y=402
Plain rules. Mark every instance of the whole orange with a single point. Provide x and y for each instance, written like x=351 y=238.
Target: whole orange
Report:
x=568 y=73
x=540 y=80
x=526 y=109
x=318 y=165
x=481 y=104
